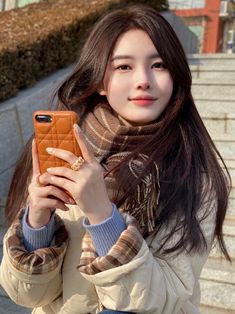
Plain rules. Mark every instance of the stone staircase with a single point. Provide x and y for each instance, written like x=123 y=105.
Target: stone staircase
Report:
x=214 y=93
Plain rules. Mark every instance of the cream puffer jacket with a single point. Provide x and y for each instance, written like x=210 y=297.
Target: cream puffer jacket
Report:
x=148 y=283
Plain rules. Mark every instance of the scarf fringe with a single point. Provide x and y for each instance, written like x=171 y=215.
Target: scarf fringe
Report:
x=148 y=195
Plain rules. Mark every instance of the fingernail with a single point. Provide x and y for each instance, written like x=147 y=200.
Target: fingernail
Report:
x=52 y=178
x=49 y=169
x=49 y=149
x=76 y=128
x=71 y=201
x=67 y=201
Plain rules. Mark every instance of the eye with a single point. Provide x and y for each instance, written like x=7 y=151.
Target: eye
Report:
x=158 y=65
x=123 y=67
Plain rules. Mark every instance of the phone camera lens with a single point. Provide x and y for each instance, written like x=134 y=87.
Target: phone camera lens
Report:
x=43 y=118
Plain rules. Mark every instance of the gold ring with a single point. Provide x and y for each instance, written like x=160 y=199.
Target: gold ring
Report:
x=77 y=164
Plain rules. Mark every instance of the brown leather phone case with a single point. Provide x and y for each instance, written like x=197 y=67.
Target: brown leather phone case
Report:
x=54 y=129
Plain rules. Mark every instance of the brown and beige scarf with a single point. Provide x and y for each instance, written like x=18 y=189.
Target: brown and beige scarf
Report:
x=111 y=140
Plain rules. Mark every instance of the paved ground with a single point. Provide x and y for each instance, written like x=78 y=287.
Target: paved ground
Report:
x=7 y=306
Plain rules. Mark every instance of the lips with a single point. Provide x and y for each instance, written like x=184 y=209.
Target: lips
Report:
x=143 y=100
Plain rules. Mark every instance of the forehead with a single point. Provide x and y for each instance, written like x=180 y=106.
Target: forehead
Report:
x=135 y=41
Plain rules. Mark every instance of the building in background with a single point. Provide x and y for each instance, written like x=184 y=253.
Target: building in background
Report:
x=227 y=14
x=12 y=4
x=213 y=21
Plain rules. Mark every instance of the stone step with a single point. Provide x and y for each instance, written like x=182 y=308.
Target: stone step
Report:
x=213 y=71
x=216 y=260
x=220 y=276
x=218 y=264
x=218 y=115
x=224 y=142
x=229 y=230
x=232 y=175
x=212 y=310
x=214 y=105
x=226 y=149
x=220 y=125
x=220 y=296
x=224 y=90
x=232 y=193
x=218 y=135
x=230 y=220
x=231 y=169
x=212 y=59
x=230 y=244
x=230 y=214
x=224 y=137
x=230 y=165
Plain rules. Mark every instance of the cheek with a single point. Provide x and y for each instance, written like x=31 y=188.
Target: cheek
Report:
x=165 y=84
x=117 y=87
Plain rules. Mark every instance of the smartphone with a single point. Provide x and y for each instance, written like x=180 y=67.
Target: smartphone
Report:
x=54 y=129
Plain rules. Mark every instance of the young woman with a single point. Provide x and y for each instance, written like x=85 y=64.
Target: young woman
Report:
x=149 y=197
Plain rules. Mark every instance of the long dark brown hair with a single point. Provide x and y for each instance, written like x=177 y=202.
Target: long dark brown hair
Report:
x=182 y=147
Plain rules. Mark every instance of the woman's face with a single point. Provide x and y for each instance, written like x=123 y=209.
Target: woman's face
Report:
x=136 y=83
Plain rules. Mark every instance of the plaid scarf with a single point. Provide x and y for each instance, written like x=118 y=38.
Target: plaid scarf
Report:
x=112 y=141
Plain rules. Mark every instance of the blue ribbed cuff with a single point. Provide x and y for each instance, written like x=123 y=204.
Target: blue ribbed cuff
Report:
x=34 y=239
x=105 y=234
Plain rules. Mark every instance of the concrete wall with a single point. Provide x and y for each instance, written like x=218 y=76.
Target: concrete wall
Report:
x=16 y=114
x=16 y=126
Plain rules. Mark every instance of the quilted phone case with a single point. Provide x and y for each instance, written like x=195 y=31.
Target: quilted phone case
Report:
x=54 y=129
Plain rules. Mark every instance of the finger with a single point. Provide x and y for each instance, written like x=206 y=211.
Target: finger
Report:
x=62 y=154
x=50 y=191
x=62 y=183
x=52 y=204
x=44 y=179
x=36 y=168
x=86 y=152
x=56 y=193
x=62 y=172
x=46 y=188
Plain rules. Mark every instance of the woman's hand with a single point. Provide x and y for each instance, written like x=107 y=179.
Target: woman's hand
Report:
x=86 y=185
x=43 y=199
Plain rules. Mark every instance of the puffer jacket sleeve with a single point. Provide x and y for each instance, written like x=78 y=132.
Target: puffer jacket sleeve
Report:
x=32 y=279
x=133 y=277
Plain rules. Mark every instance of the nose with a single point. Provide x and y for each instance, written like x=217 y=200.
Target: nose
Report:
x=143 y=85
x=142 y=80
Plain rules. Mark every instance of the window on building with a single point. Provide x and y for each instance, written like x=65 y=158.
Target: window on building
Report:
x=1 y=5
x=12 y=4
x=186 y=4
x=22 y=3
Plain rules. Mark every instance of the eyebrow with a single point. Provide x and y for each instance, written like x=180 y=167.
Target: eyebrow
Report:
x=120 y=57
